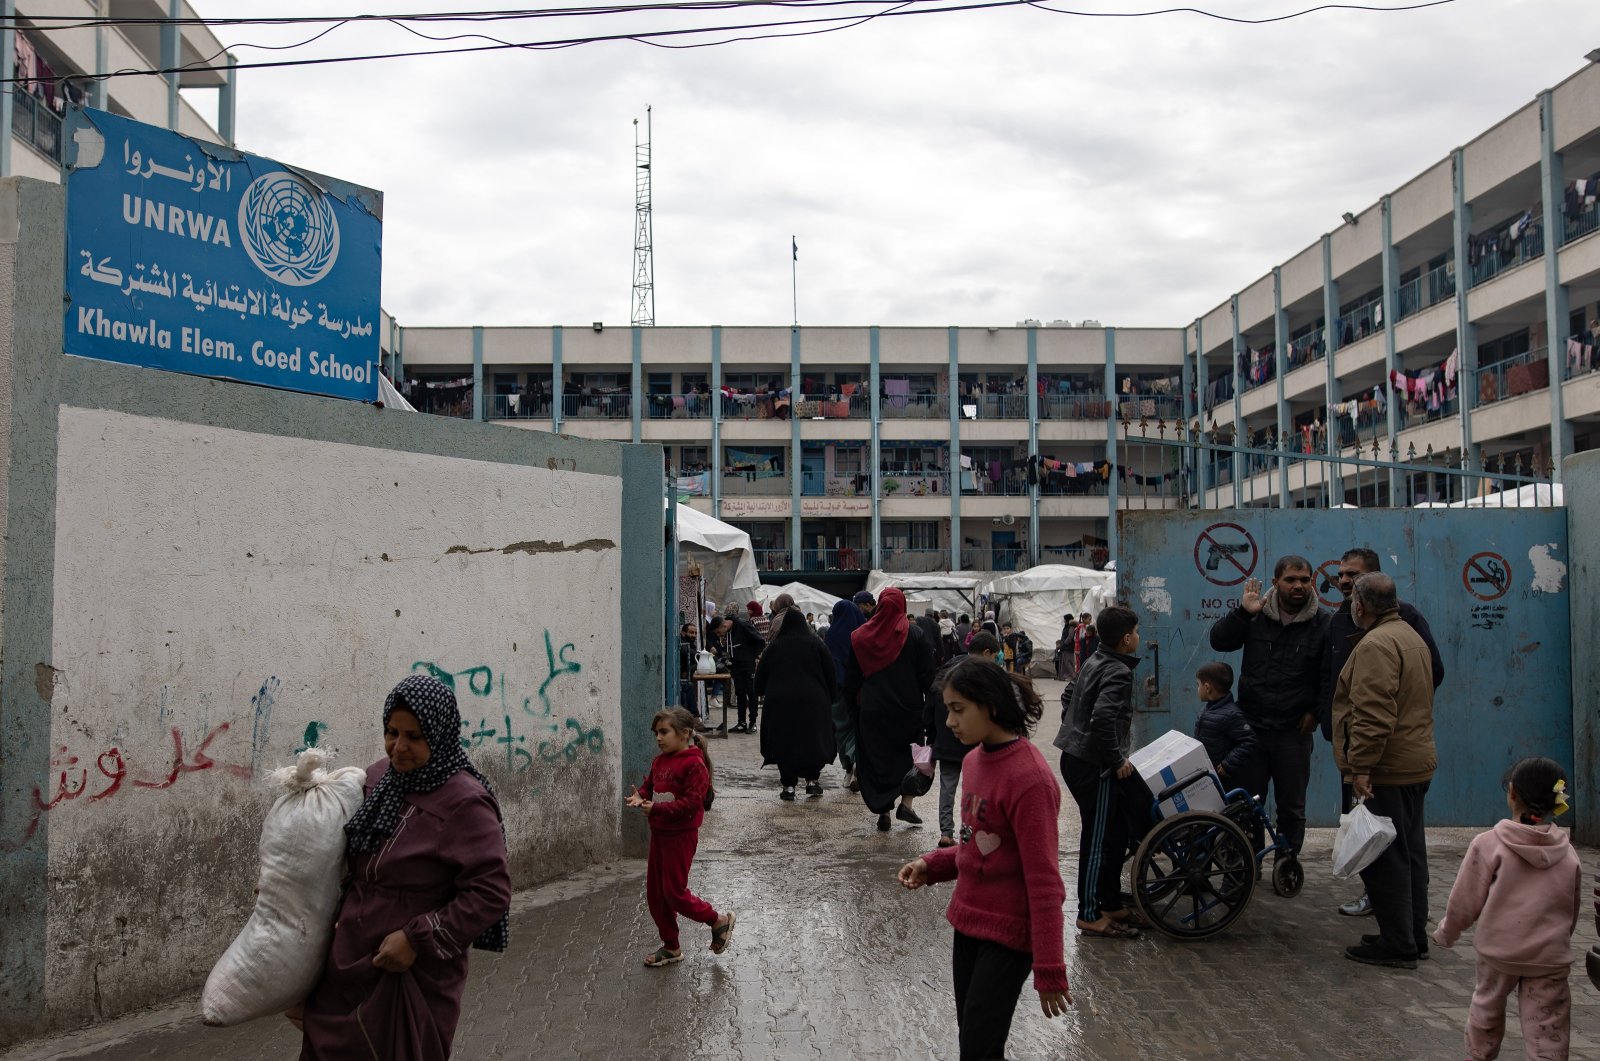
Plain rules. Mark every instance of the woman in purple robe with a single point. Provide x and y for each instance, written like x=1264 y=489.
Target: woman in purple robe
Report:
x=427 y=879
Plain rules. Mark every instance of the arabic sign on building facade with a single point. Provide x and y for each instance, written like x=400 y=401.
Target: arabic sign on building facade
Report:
x=192 y=257
x=809 y=506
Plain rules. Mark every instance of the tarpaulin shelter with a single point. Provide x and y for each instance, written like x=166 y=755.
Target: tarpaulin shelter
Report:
x=1036 y=600
x=954 y=591
x=727 y=562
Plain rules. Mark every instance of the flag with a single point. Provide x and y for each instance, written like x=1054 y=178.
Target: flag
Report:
x=794 y=245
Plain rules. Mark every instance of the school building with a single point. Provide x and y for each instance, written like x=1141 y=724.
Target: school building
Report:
x=1453 y=322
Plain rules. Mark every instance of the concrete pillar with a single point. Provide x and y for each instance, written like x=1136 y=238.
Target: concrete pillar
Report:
x=875 y=448
x=636 y=382
x=1466 y=331
x=1552 y=192
x=227 y=101
x=953 y=389
x=716 y=421
x=1335 y=390
x=557 y=376
x=1238 y=408
x=1186 y=416
x=1280 y=339
x=794 y=451
x=1111 y=445
x=1390 y=358
x=1202 y=415
x=478 y=402
x=97 y=87
x=1034 y=548
x=171 y=56
x=8 y=48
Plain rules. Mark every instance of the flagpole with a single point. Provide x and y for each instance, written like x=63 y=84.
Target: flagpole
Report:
x=794 y=275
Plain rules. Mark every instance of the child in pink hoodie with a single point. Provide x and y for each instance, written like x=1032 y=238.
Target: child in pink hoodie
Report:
x=1522 y=883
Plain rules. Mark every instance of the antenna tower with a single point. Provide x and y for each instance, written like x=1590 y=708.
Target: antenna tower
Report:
x=644 y=258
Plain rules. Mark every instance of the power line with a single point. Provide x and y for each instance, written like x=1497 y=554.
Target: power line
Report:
x=656 y=38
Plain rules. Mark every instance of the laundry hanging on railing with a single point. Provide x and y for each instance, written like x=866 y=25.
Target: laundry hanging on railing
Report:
x=1580 y=354
x=1429 y=388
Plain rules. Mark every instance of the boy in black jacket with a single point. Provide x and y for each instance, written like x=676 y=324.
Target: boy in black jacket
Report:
x=1223 y=729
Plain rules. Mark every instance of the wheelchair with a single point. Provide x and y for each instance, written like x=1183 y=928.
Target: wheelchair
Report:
x=1195 y=872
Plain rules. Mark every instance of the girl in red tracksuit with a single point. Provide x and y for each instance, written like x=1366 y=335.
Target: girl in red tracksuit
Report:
x=675 y=794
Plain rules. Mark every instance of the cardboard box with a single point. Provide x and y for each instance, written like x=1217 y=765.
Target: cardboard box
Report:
x=1170 y=758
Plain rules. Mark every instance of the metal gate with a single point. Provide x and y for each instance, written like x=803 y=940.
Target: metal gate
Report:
x=1492 y=584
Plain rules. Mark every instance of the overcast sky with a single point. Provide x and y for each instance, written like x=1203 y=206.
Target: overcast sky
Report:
x=973 y=168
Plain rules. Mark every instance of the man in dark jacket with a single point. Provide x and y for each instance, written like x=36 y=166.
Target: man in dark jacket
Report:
x=745 y=644
x=1095 y=741
x=1282 y=675
x=1342 y=635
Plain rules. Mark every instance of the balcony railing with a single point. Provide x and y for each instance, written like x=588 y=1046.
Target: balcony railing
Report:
x=1066 y=554
x=1515 y=375
x=34 y=122
x=911 y=482
x=816 y=484
x=915 y=561
x=999 y=406
x=1259 y=372
x=1582 y=223
x=1136 y=407
x=616 y=406
x=1580 y=356
x=742 y=484
x=1495 y=261
x=925 y=406
x=1429 y=289
x=843 y=559
x=518 y=407
x=1313 y=346
x=818 y=407
x=773 y=559
x=1074 y=407
x=975 y=482
x=678 y=406
x=1364 y=320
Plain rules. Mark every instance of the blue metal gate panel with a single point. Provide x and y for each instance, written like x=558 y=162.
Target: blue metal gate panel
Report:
x=1492 y=584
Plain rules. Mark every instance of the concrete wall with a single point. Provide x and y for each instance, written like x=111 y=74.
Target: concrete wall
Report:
x=218 y=575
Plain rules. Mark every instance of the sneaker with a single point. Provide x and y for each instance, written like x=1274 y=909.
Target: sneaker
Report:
x=787 y=795
x=739 y=728
x=1376 y=940
x=813 y=787
x=1372 y=954
x=1361 y=907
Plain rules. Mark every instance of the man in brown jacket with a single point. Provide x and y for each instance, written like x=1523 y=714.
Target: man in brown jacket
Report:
x=1383 y=745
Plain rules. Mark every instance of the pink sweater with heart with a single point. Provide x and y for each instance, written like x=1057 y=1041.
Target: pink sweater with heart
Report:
x=1008 y=882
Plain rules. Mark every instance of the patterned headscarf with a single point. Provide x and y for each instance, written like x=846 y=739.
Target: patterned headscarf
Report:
x=434 y=705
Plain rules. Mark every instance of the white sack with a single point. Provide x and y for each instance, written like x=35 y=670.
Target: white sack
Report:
x=1361 y=839
x=275 y=961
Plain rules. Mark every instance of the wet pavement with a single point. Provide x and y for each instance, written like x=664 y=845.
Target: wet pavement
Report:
x=833 y=959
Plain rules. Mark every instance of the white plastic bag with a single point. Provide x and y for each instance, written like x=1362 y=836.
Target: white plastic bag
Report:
x=1362 y=837
x=275 y=960
x=922 y=759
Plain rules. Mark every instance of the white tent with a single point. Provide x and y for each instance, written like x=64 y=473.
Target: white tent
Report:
x=1037 y=598
x=723 y=552
x=806 y=598
x=956 y=592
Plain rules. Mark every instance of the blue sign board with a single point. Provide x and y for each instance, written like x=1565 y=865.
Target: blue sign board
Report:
x=192 y=257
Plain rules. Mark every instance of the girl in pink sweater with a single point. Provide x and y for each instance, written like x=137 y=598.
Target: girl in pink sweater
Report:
x=1006 y=909
x=1522 y=884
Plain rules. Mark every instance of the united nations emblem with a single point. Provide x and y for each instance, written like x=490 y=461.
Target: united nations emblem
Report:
x=289 y=229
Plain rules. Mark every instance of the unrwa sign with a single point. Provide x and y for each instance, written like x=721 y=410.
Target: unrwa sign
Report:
x=192 y=257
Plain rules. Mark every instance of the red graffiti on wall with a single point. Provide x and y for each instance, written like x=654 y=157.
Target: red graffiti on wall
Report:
x=111 y=765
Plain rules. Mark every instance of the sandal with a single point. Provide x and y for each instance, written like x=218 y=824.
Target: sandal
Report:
x=663 y=956
x=1115 y=930
x=722 y=934
x=1132 y=918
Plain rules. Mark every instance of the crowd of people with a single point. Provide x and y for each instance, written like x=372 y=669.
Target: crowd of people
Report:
x=428 y=869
